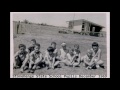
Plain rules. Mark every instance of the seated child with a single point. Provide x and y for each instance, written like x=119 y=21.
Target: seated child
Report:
x=63 y=52
x=96 y=53
x=35 y=58
x=20 y=56
x=68 y=61
x=77 y=56
x=87 y=60
x=73 y=59
x=31 y=48
x=53 y=45
x=50 y=58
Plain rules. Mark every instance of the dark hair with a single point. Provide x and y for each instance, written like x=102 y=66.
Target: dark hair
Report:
x=21 y=45
x=95 y=44
x=37 y=44
x=76 y=45
x=50 y=49
x=71 y=49
x=33 y=40
x=53 y=43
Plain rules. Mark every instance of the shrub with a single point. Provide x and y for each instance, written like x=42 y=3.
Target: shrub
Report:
x=26 y=21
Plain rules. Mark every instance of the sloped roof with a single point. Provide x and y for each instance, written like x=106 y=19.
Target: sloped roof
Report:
x=87 y=21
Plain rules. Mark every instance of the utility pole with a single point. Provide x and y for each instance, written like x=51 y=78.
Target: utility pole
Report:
x=73 y=21
x=73 y=18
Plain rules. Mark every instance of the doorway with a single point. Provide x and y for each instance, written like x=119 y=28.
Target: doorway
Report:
x=94 y=30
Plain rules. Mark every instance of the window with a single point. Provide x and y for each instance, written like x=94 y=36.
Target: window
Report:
x=83 y=26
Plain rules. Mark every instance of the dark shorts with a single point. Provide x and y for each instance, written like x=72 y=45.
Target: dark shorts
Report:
x=18 y=61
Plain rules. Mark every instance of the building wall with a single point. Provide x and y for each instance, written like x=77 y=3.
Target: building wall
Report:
x=76 y=23
x=77 y=28
x=87 y=26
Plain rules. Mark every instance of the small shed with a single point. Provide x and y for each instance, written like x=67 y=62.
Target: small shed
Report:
x=85 y=27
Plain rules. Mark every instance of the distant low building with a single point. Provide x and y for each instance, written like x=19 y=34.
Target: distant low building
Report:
x=86 y=27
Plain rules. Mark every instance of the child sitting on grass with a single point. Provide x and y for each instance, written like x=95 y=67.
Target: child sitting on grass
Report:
x=63 y=52
x=31 y=48
x=55 y=51
x=87 y=60
x=20 y=56
x=77 y=56
x=68 y=61
x=35 y=58
x=50 y=58
x=93 y=57
x=72 y=59
x=53 y=44
x=96 y=53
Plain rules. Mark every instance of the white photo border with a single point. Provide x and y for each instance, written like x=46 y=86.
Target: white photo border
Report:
x=107 y=33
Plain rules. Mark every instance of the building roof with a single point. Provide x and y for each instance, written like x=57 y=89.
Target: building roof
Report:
x=88 y=22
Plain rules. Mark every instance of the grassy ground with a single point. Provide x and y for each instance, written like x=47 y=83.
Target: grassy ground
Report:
x=71 y=39
x=46 y=34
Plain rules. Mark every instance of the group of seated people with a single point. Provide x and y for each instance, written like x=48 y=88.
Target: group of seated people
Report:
x=31 y=58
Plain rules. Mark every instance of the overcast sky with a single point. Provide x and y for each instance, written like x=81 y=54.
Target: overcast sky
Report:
x=59 y=19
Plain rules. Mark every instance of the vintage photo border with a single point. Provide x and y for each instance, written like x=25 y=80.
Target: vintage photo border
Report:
x=107 y=38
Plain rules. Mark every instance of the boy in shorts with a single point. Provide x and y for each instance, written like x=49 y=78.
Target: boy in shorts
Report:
x=68 y=61
x=87 y=60
x=63 y=52
x=72 y=59
x=20 y=56
x=50 y=58
x=96 y=53
x=31 y=48
x=77 y=56
x=53 y=45
x=35 y=58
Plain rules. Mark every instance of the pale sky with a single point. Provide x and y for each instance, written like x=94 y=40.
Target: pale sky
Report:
x=59 y=19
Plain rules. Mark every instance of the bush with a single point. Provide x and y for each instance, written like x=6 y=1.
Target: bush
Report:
x=43 y=24
x=26 y=21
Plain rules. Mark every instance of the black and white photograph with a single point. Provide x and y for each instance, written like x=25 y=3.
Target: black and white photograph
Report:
x=59 y=44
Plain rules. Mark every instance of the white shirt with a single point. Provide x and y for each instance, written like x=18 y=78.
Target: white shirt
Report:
x=63 y=54
x=35 y=55
x=55 y=52
x=95 y=54
x=70 y=58
x=86 y=58
x=47 y=56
